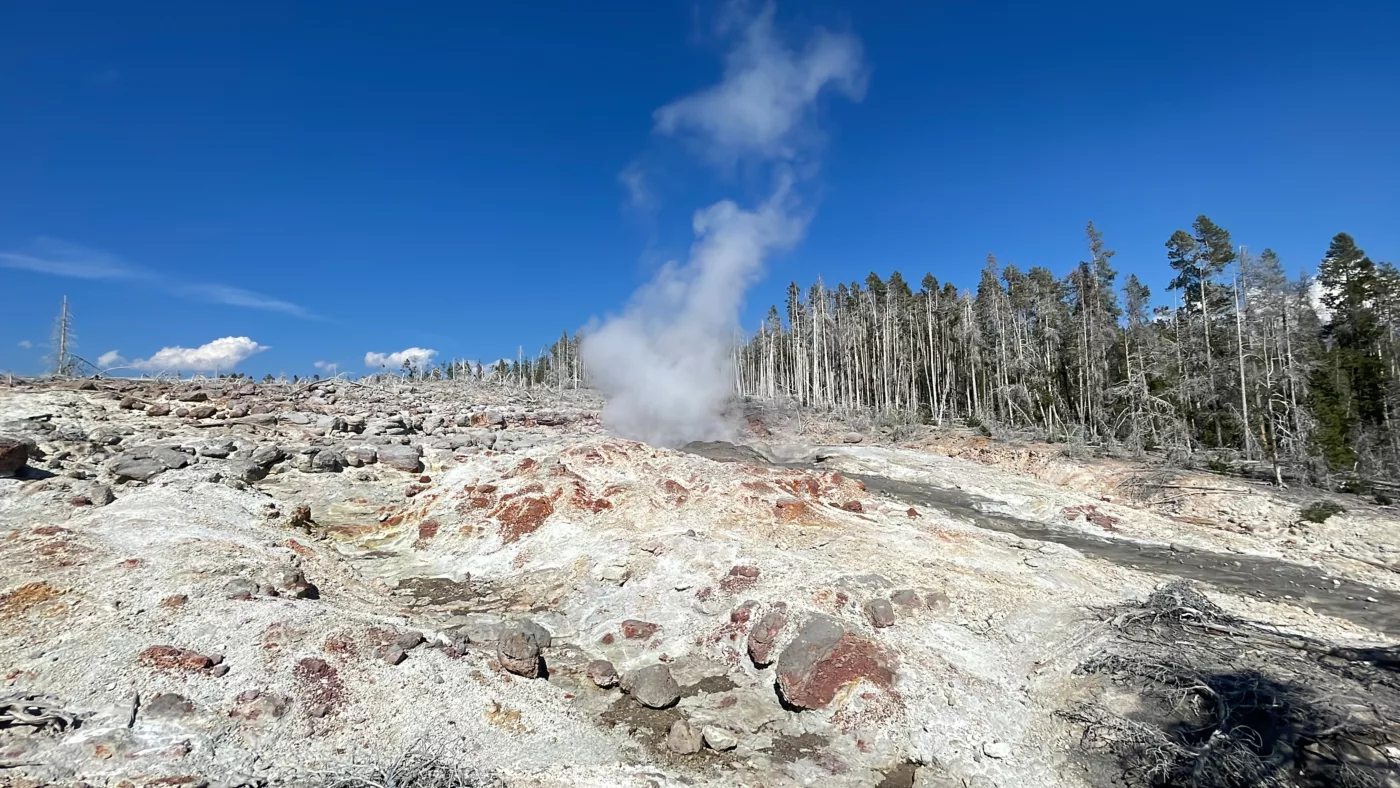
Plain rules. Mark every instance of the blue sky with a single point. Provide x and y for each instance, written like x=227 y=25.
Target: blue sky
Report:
x=332 y=180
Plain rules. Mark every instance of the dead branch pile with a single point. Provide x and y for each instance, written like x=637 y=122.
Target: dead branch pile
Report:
x=39 y=712
x=1197 y=698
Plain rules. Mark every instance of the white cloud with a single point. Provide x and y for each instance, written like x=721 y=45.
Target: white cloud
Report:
x=416 y=357
x=639 y=192
x=219 y=355
x=58 y=258
x=324 y=364
x=110 y=359
x=237 y=296
x=26 y=344
x=768 y=93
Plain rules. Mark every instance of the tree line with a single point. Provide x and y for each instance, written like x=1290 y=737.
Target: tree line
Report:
x=1247 y=362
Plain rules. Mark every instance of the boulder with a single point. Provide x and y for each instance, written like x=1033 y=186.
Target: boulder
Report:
x=203 y=412
x=14 y=454
x=824 y=658
x=518 y=651
x=268 y=455
x=158 y=409
x=141 y=469
x=360 y=455
x=652 y=686
x=327 y=461
x=245 y=471
x=684 y=738
x=404 y=458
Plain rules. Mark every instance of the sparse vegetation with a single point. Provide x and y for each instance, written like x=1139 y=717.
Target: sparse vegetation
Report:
x=422 y=766
x=1319 y=511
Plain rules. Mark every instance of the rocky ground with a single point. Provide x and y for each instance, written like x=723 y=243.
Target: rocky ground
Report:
x=222 y=583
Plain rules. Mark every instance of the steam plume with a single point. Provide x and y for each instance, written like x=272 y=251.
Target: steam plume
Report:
x=665 y=365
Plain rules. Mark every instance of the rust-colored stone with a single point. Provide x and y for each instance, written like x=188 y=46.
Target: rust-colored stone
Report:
x=791 y=509
x=172 y=658
x=521 y=517
x=635 y=629
x=823 y=659
x=23 y=599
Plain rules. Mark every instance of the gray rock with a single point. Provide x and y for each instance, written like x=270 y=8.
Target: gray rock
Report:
x=14 y=454
x=852 y=437
x=880 y=612
x=268 y=455
x=203 y=411
x=104 y=436
x=97 y=494
x=717 y=738
x=241 y=587
x=158 y=409
x=684 y=738
x=404 y=458
x=409 y=640
x=167 y=705
x=171 y=458
x=327 y=461
x=360 y=455
x=245 y=471
x=218 y=449
x=292 y=582
x=652 y=686
x=518 y=651
x=135 y=468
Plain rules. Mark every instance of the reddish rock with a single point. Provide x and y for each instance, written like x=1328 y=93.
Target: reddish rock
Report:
x=634 y=629
x=765 y=633
x=790 y=509
x=521 y=517
x=823 y=659
x=740 y=578
x=602 y=673
x=158 y=409
x=853 y=506
x=913 y=513
x=320 y=684
x=172 y=658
